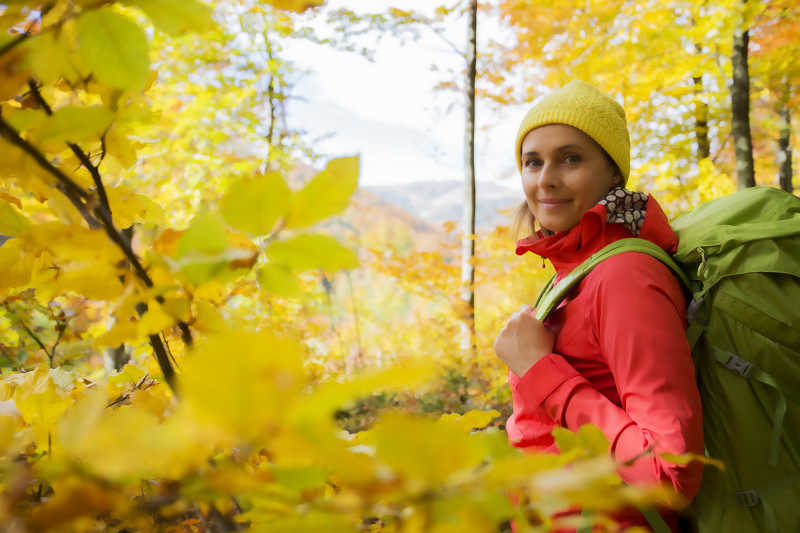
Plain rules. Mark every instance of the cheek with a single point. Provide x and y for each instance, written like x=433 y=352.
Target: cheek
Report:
x=528 y=186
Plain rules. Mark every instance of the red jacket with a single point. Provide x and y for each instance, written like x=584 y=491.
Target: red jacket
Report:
x=620 y=361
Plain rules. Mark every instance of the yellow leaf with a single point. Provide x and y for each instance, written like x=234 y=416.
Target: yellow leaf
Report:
x=40 y=403
x=328 y=193
x=15 y=264
x=75 y=124
x=154 y=320
x=254 y=205
x=125 y=330
x=279 y=280
x=96 y=281
x=332 y=395
x=177 y=17
x=209 y=319
x=12 y=221
x=127 y=207
x=686 y=458
x=177 y=308
x=48 y=57
x=108 y=442
x=114 y=48
x=120 y=147
x=72 y=242
x=13 y=74
x=27 y=119
x=295 y=5
x=63 y=209
x=471 y=419
x=588 y=440
x=206 y=235
x=129 y=375
x=312 y=251
x=420 y=450
x=242 y=383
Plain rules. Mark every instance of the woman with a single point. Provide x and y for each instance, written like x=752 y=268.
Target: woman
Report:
x=614 y=353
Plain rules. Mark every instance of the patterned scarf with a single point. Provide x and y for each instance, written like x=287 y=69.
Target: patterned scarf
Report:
x=625 y=207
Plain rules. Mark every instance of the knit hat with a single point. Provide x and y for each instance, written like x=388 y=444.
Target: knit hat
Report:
x=582 y=106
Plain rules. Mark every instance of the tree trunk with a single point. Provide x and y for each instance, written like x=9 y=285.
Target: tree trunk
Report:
x=700 y=116
x=271 y=102
x=701 y=120
x=785 y=147
x=468 y=238
x=740 y=107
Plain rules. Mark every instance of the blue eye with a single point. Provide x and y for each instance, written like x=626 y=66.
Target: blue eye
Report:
x=572 y=158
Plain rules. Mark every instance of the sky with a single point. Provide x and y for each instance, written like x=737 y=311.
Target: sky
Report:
x=389 y=113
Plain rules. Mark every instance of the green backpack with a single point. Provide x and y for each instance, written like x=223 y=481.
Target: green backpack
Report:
x=740 y=258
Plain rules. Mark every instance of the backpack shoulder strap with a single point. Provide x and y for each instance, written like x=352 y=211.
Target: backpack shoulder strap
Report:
x=554 y=294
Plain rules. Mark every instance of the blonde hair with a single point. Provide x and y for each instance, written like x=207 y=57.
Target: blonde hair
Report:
x=522 y=218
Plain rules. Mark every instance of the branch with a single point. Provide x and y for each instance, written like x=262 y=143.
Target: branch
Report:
x=79 y=199
x=71 y=190
x=27 y=33
x=50 y=355
x=102 y=212
x=10 y=45
x=80 y=154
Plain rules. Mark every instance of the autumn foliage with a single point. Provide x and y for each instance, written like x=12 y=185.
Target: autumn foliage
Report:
x=192 y=339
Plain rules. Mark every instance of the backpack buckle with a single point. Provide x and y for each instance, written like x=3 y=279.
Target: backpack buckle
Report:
x=739 y=365
x=695 y=307
x=748 y=498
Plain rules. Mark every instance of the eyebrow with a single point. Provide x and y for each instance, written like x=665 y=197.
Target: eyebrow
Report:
x=559 y=149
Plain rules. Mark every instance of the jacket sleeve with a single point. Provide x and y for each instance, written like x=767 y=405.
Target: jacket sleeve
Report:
x=638 y=322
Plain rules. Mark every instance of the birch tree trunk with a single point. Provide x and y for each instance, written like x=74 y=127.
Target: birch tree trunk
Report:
x=468 y=238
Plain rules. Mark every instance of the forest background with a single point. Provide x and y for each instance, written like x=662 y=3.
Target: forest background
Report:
x=207 y=326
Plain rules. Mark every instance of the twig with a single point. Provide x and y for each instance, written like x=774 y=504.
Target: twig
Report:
x=50 y=355
x=80 y=154
x=71 y=190
x=10 y=45
x=27 y=33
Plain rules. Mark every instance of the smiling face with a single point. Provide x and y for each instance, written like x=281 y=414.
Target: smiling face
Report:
x=564 y=173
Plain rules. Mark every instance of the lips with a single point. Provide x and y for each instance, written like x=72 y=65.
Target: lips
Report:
x=552 y=201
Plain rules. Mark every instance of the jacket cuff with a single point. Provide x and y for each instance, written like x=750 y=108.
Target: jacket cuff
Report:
x=541 y=379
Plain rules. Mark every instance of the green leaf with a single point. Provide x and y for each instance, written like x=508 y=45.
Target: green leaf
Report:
x=279 y=280
x=26 y=119
x=114 y=48
x=589 y=440
x=74 y=124
x=686 y=458
x=48 y=56
x=254 y=205
x=299 y=478
x=328 y=193
x=205 y=235
x=12 y=222
x=174 y=17
x=312 y=251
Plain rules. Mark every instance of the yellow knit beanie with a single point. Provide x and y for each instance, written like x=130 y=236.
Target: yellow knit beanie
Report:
x=582 y=106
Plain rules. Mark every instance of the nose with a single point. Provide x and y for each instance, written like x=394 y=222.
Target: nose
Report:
x=548 y=175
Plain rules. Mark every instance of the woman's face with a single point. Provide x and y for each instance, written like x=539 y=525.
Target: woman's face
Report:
x=564 y=173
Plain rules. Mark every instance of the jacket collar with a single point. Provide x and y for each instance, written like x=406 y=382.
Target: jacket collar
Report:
x=568 y=249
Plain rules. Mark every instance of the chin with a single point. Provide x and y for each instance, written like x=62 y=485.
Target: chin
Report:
x=554 y=227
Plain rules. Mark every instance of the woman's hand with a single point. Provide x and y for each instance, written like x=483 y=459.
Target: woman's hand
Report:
x=523 y=341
